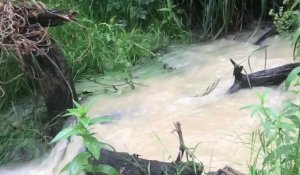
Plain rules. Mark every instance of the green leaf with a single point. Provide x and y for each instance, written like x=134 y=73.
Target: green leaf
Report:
x=77 y=105
x=270 y=140
x=248 y=107
x=65 y=133
x=106 y=169
x=292 y=77
x=286 y=126
x=78 y=164
x=73 y=112
x=268 y=125
x=295 y=4
x=271 y=113
x=85 y=121
x=93 y=146
x=90 y=104
x=165 y=10
x=285 y=150
x=294 y=118
x=256 y=110
x=100 y=120
x=263 y=96
x=107 y=146
x=78 y=112
x=296 y=38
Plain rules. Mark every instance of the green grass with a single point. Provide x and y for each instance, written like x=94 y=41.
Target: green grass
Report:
x=11 y=87
x=116 y=35
x=23 y=134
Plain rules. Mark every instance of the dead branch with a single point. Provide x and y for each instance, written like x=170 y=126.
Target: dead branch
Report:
x=182 y=147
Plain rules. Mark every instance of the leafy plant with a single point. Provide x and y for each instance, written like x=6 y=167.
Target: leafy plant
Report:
x=82 y=162
x=279 y=134
x=286 y=18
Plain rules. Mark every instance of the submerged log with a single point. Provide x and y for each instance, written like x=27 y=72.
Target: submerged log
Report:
x=268 y=77
x=128 y=164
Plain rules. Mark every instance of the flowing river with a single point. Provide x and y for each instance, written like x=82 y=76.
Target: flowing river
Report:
x=214 y=122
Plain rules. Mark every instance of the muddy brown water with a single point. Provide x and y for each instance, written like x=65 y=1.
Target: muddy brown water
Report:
x=214 y=122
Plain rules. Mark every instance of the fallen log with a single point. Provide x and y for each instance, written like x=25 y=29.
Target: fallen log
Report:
x=268 y=77
x=128 y=164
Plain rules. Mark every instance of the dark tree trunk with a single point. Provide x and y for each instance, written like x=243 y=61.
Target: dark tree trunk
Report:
x=49 y=70
x=268 y=77
x=128 y=164
x=55 y=81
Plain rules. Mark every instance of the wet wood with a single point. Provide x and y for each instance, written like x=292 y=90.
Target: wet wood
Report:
x=128 y=164
x=268 y=77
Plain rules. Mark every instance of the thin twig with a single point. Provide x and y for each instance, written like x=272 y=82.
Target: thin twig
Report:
x=266 y=57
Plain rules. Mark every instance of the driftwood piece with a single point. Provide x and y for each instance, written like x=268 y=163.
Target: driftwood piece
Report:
x=268 y=77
